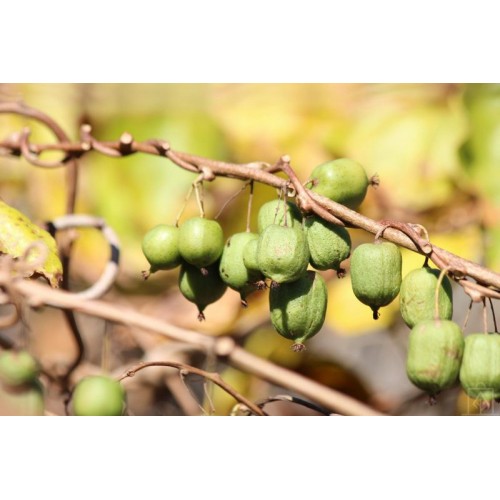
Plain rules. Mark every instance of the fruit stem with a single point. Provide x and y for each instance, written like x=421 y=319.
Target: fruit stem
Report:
x=493 y=315
x=198 y=191
x=466 y=320
x=249 y=207
x=285 y=207
x=485 y=317
x=181 y=211
x=436 y=293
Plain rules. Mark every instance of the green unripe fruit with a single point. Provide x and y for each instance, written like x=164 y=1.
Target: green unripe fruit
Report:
x=250 y=255
x=18 y=368
x=298 y=309
x=160 y=246
x=328 y=243
x=26 y=400
x=376 y=274
x=480 y=370
x=201 y=241
x=277 y=212
x=232 y=268
x=417 y=296
x=201 y=288
x=282 y=253
x=435 y=349
x=98 y=395
x=343 y=180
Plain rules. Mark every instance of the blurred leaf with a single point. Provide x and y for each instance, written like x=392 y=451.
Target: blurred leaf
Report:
x=481 y=156
x=18 y=233
x=265 y=121
x=411 y=142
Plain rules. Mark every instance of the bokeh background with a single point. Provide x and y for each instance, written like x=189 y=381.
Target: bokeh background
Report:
x=435 y=148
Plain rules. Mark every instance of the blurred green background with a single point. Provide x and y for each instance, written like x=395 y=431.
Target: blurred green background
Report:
x=435 y=147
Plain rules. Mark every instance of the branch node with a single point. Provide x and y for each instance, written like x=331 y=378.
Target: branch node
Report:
x=224 y=346
x=208 y=174
x=126 y=142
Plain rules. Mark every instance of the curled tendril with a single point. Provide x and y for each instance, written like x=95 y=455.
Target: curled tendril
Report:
x=422 y=244
x=33 y=158
x=107 y=278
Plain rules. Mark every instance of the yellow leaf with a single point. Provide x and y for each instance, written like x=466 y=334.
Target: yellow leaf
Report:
x=18 y=233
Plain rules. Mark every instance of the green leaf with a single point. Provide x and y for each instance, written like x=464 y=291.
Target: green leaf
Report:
x=18 y=233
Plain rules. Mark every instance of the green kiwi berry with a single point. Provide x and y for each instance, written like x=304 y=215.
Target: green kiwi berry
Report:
x=328 y=243
x=298 y=308
x=435 y=349
x=98 y=395
x=201 y=288
x=376 y=274
x=280 y=213
x=342 y=180
x=201 y=241
x=18 y=368
x=480 y=370
x=417 y=296
x=282 y=253
x=232 y=267
x=160 y=246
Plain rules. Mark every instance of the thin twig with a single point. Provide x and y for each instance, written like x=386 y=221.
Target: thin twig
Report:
x=295 y=400
x=261 y=172
x=212 y=376
x=35 y=293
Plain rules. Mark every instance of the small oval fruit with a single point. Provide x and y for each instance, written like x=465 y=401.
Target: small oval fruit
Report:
x=480 y=370
x=282 y=253
x=232 y=269
x=201 y=241
x=18 y=368
x=417 y=296
x=160 y=246
x=376 y=274
x=98 y=395
x=298 y=308
x=274 y=212
x=342 y=180
x=201 y=288
x=328 y=243
x=435 y=349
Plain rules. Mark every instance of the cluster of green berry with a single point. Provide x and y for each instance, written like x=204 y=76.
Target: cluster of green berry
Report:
x=280 y=253
x=438 y=354
x=286 y=253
